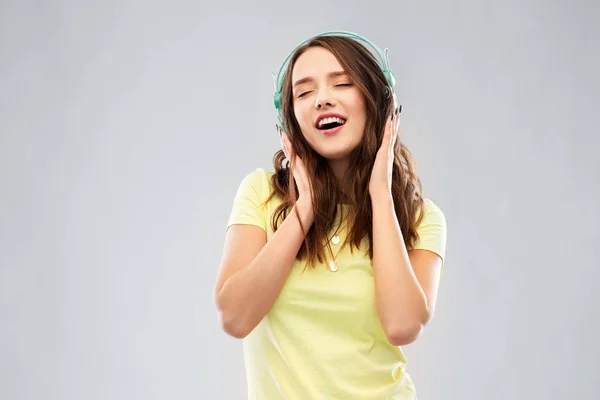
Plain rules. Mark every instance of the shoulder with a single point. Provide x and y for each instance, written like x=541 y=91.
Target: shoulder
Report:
x=432 y=213
x=432 y=230
x=258 y=176
x=249 y=205
x=256 y=182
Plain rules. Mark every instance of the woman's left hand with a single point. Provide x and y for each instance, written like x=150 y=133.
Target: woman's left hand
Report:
x=381 y=176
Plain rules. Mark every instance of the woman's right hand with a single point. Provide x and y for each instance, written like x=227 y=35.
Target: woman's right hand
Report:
x=298 y=169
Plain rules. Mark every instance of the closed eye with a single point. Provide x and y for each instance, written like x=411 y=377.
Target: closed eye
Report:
x=338 y=85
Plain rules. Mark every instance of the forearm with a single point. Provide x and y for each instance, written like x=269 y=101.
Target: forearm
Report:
x=249 y=294
x=401 y=302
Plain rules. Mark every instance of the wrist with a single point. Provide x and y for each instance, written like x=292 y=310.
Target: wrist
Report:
x=305 y=212
x=381 y=199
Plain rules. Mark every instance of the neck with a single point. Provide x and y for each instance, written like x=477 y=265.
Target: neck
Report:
x=339 y=168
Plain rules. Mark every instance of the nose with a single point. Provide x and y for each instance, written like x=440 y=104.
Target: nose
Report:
x=324 y=99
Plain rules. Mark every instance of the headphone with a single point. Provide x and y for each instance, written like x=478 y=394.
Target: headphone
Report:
x=384 y=64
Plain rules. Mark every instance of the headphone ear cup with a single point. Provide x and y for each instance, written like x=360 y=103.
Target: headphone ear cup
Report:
x=277 y=97
x=277 y=100
x=277 y=103
x=389 y=77
x=388 y=93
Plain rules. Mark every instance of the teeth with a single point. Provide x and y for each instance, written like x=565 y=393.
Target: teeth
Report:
x=331 y=120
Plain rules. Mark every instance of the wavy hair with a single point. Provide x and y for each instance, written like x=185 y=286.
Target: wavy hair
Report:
x=365 y=72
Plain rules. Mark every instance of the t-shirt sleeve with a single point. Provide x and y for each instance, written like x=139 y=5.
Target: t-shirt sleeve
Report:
x=432 y=230
x=248 y=207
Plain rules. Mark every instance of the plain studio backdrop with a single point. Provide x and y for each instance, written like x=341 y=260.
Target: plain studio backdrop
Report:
x=126 y=127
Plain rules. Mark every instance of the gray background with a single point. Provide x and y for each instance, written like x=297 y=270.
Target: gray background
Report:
x=125 y=128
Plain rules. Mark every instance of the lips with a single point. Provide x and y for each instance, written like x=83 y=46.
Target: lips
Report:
x=331 y=131
x=333 y=119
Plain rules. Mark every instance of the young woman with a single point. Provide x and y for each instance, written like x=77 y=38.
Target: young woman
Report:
x=332 y=261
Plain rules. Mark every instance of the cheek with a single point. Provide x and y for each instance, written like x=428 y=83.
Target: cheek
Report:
x=303 y=117
x=358 y=106
x=360 y=114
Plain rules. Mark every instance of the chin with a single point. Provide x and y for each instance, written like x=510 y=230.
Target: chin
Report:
x=335 y=147
x=334 y=154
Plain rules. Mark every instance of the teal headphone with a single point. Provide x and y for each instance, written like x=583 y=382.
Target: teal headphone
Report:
x=383 y=63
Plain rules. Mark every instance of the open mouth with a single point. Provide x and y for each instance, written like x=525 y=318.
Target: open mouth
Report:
x=330 y=123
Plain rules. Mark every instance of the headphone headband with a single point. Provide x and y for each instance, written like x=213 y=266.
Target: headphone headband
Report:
x=383 y=63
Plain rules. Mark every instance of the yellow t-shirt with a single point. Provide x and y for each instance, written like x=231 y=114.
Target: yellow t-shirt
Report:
x=322 y=339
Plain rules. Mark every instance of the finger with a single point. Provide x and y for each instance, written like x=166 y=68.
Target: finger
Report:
x=300 y=174
x=394 y=132
x=285 y=145
x=386 y=134
x=389 y=139
x=288 y=144
x=290 y=151
x=291 y=156
x=280 y=131
x=397 y=130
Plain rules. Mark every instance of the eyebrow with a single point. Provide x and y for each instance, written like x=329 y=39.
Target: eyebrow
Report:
x=309 y=78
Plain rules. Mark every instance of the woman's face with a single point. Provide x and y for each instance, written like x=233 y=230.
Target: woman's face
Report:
x=329 y=108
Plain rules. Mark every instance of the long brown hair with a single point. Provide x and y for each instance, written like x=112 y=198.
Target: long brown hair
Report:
x=362 y=67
